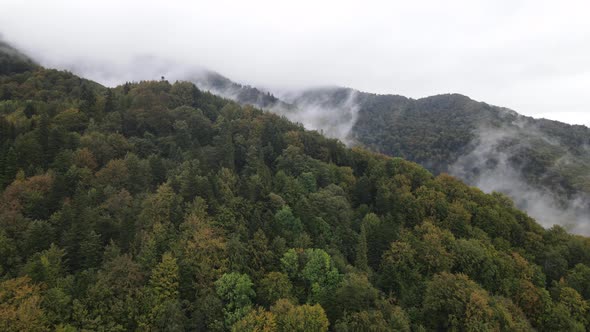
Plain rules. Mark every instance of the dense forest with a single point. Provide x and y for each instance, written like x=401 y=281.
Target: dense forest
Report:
x=155 y=206
x=447 y=133
x=438 y=131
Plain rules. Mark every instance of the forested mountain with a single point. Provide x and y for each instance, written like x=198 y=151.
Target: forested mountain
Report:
x=438 y=131
x=159 y=207
x=542 y=165
x=243 y=94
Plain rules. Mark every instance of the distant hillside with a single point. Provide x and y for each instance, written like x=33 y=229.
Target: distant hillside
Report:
x=543 y=165
x=438 y=131
x=244 y=94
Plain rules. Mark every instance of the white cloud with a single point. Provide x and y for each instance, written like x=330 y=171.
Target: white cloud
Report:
x=527 y=55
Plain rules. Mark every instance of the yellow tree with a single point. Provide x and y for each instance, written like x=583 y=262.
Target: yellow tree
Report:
x=299 y=318
x=20 y=306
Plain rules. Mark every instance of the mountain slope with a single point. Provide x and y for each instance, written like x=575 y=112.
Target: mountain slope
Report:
x=541 y=164
x=246 y=95
x=437 y=131
x=157 y=206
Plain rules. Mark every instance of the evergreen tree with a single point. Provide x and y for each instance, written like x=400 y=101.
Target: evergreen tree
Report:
x=43 y=138
x=164 y=310
x=7 y=166
x=109 y=103
x=164 y=279
x=361 y=250
x=87 y=97
x=91 y=250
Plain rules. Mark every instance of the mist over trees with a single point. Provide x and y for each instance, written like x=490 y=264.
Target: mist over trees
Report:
x=541 y=164
x=158 y=206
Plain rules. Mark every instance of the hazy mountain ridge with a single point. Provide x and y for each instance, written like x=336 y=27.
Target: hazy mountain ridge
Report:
x=545 y=162
x=542 y=164
x=329 y=110
x=159 y=206
x=244 y=94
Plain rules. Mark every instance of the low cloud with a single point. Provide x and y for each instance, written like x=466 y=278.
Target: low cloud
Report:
x=503 y=52
x=491 y=167
x=332 y=111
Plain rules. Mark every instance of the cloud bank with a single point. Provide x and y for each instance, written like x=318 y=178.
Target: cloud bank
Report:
x=331 y=111
x=528 y=55
x=490 y=167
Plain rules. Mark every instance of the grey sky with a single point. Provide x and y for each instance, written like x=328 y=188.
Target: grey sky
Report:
x=531 y=56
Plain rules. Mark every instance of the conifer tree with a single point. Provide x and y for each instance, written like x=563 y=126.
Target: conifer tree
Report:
x=361 y=250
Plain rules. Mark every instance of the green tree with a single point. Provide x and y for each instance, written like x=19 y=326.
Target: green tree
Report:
x=39 y=236
x=8 y=253
x=354 y=294
x=570 y=310
x=361 y=261
x=236 y=291
x=579 y=279
x=109 y=103
x=164 y=279
x=164 y=312
x=9 y=169
x=314 y=269
x=87 y=96
x=400 y=273
x=91 y=250
x=274 y=286
x=454 y=302
x=286 y=224
x=46 y=266
x=43 y=137
x=57 y=304
x=363 y=321
x=113 y=299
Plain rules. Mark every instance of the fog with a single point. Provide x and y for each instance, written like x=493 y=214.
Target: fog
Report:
x=332 y=111
x=319 y=110
x=527 y=55
x=489 y=167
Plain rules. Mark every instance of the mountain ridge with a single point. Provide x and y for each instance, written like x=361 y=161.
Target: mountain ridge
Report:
x=444 y=133
x=159 y=206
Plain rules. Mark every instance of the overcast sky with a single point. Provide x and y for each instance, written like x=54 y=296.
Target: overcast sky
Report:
x=531 y=56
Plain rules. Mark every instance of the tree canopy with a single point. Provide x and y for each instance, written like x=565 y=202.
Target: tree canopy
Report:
x=157 y=206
